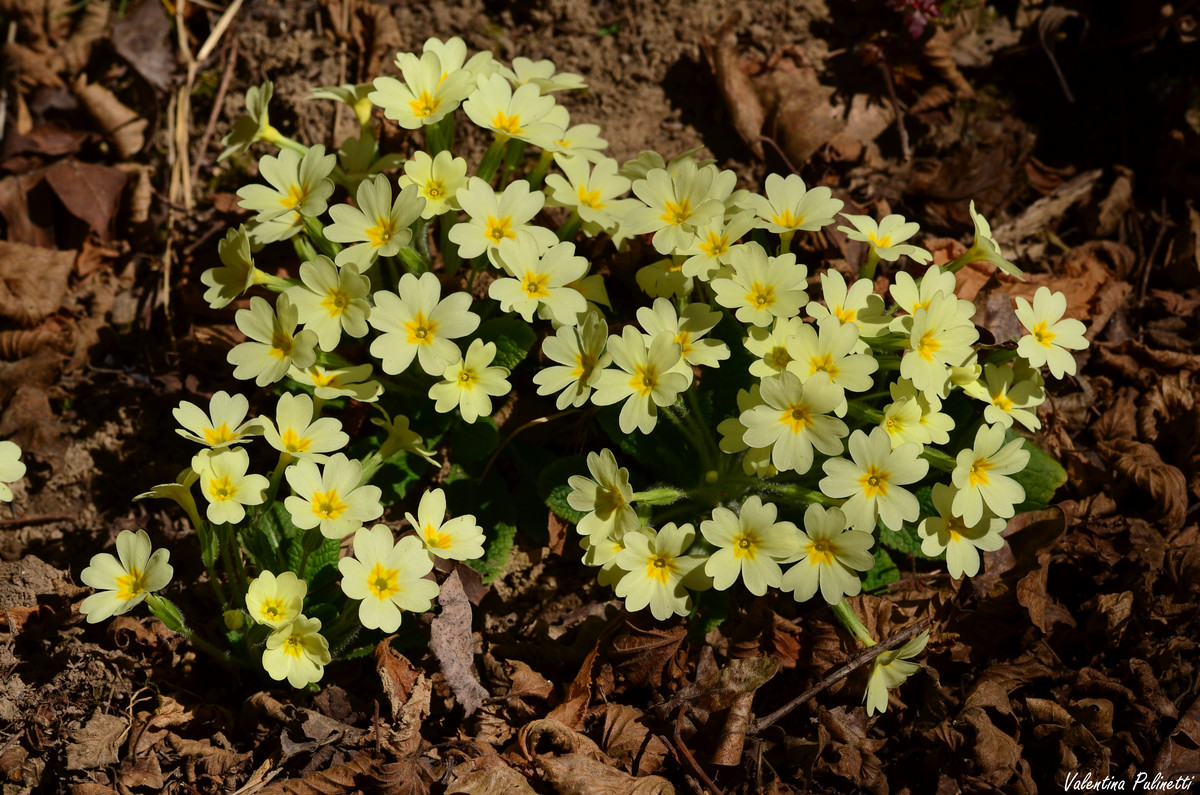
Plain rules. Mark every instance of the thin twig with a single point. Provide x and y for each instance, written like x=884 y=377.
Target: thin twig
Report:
x=687 y=755
x=905 y=148
x=22 y=521
x=856 y=662
x=779 y=152
x=215 y=114
x=1163 y=223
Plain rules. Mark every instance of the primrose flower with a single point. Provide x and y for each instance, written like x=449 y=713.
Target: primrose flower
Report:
x=1011 y=393
x=330 y=383
x=238 y=273
x=180 y=492
x=664 y=278
x=297 y=184
x=592 y=193
x=417 y=325
x=453 y=55
x=658 y=572
x=125 y=581
x=606 y=498
x=471 y=383
x=832 y=554
x=276 y=601
x=578 y=140
x=676 y=205
x=948 y=533
x=253 y=125
x=986 y=248
x=492 y=218
x=579 y=353
x=940 y=337
x=538 y=280
x=892 y=669
x=332 y=498
x=911 y=295
x=1051 y=337
x=827 y=352
x=644 y=377
x=274 y=344
x=749 y=544
x=437 y=180
x=770 y=346
x=279 y=228
x=378 y=226
x=297 y=652
x=757 y=460
x=387 y=577
x=858 y=305
x=873 y=481
x=687 y=330
x=356 y=95
x=936 y=425
x=794 y=418
x=295 y=432
x=887 y=237
x=542 y=75
x=981 y=476
x=429 y=92
x=400 y=438
x=460 y=538
x=790 y=207
x=647 y=160
x=714 y=245
x=509 y=113
x=902 y=421
x=225 y=484
x=223 y=425
x=330 y=301
x=762 y=288
x=602 y=552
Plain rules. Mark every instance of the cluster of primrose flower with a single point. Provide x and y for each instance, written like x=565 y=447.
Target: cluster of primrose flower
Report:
x=840 y=417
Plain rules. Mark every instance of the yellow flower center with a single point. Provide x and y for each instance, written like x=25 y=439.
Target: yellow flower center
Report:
x=590 y=198
x=1043 y=334
x=437 y=540
x=294 y=442
x=745 y=545
x=978 y=474
x=293 y=646
x=676 y=214
x=874 y=482
x=823 y=364
x=844 y=315
x=273 y=609
x=609 y=501
x=684 y=338
x=510 y=125
x=434 y=190
x=585 y=363
x=1003 y=402
x=383 y=583
x=383 y=231
x=715 y=245
x=281 y=345
x=296 y=195
x=425 y=106
x=956 y=527
x=219 y=435
x=221 y=489
x=499 y=228
x=467 y=379
x=534 y=284
x=660 y=567
x=131 y=584
x=421 y=330
x=328 y=505
x=880 y=242
x=336 y=302
x=786 y=219
x=796 y=417
x=820 y=552
x=761 y=296
x=644 y=379
x=927 y=346
x=323 y=379
x=778 y=358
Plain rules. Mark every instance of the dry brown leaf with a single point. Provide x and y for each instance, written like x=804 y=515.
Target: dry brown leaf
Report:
x=627 y=739
x=25 y=202
x=90 y=191
x=495 y=780
x=577 y=774
x=1116 y=204
x=937 y=50
x=745 y=108
x=120 y=124
x=800 y=115
x=143 y=38
x=209 y=759
x=337 y=779
x=645 y=651
x=1141 y=463
x=89 y=26
x=30 y=68
x=1109 y=615
x=33 y=281
x=1180 y=754
x=452 y=643
x=995 y=753
x=96 y=743
x=396 y=673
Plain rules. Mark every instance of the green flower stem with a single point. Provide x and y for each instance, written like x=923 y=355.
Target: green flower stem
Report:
x=798 y=495
x=208 y=542
x=513 y=153
x=277 y=476
x=447 y=246
x=273 y=136
x=310 y=542
x=304 y=248
x=859 y=411
x=440 y=137
x=785 y=241
x=491 y=158
x=232 y=558
x=851 y=622
x=677 y=414
x=939 y=460
x=569 y=229
x=316 y=233
x=276 y=284
x=660 y=496
x=538 y=174
x=412 y=260
x=868 y=269
x=371 y=463
x=701 y=430
x=169 y=614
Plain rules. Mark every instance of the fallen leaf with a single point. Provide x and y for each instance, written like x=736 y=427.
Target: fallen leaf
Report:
x=1141 y=463
x=97 y=743
x=121 y=124
x=628 y=740
x=26 y=201
x=452 y=643
x=396 y=674
x=736 y=87
x=143 y=38
x=496 y=780
x=577 y=774
x=91 y=192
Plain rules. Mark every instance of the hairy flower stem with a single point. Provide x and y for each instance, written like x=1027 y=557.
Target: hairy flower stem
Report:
x=513 y=153
x=568 y=230
x=447 y=247
x=491 y=159
x=868 y=269
x=166 y=612
x=538 y=174
x=316 y=233
x=851 y=622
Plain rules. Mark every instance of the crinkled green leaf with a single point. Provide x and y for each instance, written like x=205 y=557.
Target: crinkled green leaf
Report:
x=513 y=338
x=553 y=489
x=1041 y=478
x=499 y=547
x=884 y=573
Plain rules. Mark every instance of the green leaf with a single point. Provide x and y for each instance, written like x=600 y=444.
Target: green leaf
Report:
x=474 y=442
x=166 y=612
x=1040 y=478
x=553 y=489
x=904 y=540
x=513 y=340
x=884 y=573
x=495 y=558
